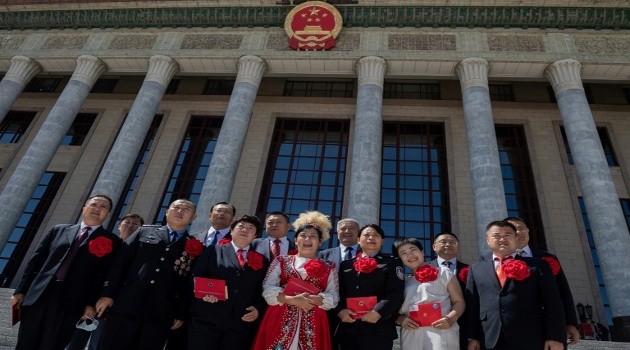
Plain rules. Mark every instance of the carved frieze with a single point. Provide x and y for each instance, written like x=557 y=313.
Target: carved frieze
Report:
x=434 y=42
x=345 y=42
x=67 y=42
x=126 y=42
x=11 y=42
x=522 y=43
x=602 y=44
x=210 y=41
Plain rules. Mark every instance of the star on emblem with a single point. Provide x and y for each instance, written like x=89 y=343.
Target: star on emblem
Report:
x=314 y=10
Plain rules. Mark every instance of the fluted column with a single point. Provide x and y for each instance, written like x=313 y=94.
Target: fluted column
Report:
x=485 y=167
x=119 y=163
x=227 y=153
x=21 y=71
x=608 y=224
x=364 y=195
x=40 y=153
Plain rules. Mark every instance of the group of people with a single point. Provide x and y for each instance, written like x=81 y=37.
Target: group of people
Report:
x=154 y=287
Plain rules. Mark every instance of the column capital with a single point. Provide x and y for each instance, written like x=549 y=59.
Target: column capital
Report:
x=471 y=72
x=22 y=70
x=564 y=75
x=89 y=68
x=161 y=69
x=251 y=70
x=371 y=70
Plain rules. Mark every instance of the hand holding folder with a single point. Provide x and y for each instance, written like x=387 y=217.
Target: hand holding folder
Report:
x=210 y=286
x=297 y=286
x=425 y=314
x=360 y=306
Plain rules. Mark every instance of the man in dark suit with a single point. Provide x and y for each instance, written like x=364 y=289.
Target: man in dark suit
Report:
x=230 y=324
x=513 y=303
x=446 y=246
x=147 y=286
x=61 y=282
x=276 y=243
x=523 y=249
x=221 y=216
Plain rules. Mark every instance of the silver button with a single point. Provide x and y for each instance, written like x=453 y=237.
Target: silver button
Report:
x=157 y=270
x=162 y=259
x=167 y=249
x=152 y=281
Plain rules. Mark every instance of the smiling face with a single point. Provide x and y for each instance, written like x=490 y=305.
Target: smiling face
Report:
x=501 y=240
x=95 y=211
x=179 y=214
x=221 y=216
x=307 y=242
x=277 y=226
x=128 y=226
x=348 y=233
x=243 y=234
x=446 y=246
x=411 y=256
x=370 y=241
x=522 y=233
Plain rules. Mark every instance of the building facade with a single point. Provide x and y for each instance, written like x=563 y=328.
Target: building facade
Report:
x=426 y=116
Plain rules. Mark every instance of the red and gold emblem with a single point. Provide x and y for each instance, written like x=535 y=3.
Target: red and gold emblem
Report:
x=313 y=25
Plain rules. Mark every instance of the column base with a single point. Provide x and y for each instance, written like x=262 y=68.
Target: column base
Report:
x=621 y=326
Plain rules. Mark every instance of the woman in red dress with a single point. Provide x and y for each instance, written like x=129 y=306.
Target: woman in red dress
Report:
x=299 y=322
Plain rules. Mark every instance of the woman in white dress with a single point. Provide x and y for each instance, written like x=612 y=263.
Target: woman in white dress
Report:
x=428 y=285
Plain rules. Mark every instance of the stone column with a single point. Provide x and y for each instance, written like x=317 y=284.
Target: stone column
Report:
x=610 y=231
x=219 y=181
x=485 y=167
x=364 y=195
x=21 y=71
x=123 y=155
x=41 y=151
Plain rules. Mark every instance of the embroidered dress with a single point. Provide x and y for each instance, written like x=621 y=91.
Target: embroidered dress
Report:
x=429 y=338
x=286 y=327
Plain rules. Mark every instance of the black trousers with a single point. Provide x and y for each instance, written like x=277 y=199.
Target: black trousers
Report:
x=124 y=332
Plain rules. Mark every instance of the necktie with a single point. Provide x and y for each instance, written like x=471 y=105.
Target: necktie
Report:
x=520 y=252
x=447 y=264
x=214 y=239
x=239 y=255
x=67 y=261
x=348 y=254
x=275 y=249
x=173 y=236
x=500 y=272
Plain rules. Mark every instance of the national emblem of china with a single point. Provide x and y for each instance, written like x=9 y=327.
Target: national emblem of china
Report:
x=313 y=25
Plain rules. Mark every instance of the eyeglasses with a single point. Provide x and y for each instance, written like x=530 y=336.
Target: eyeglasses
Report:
x=445 y=242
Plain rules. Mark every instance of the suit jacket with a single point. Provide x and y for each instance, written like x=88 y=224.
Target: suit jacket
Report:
x=244 y=288
x=386 y=283
x=263 y=246
x=201 y=235
x=147 y=278
x=463 y=332
x=84 y=276
x=334 y=255
x=528 y=312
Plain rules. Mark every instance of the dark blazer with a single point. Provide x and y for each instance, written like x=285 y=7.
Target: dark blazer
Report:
x=144 y=276
x=244 y=290
x=334 y=255
x=463 y=337
x=201 y=235
x=386 y=283
x=527 y=312
x=263 y=246
x=84 y=277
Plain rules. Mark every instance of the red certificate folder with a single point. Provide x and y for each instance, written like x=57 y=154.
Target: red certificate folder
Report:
x=297 y=286
x=425 y=314
x=210 y=286
x=15 y=315
x=360 y=305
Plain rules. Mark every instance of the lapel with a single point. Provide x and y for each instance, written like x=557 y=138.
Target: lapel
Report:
x=228 y=252
x=70 y=232
x=488 y=270
x=162 y=233
x=266 y=247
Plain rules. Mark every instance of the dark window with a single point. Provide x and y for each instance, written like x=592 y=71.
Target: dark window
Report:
x=626 y=94
x=318 y=88
x=552 y=94
x=195 y=154
x=121 y=207
x=218 y=87
x=306 y=168
x=414 y=190
x=171 y=89
x=14 y=126
x=411 y=91
x=589 y=93
x=609 y=152
x=501 y=92
x=518 y=181
x=104 y=86
x=79 y=129
x=42 y=85
x=22 y=236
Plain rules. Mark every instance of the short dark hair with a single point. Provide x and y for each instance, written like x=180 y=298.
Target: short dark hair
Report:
x=376 y=228
x=399 y=242
x=226 y=203
x=278 y=213
x=133 y=216
x=445 y=233
x=111 y=203
x=514 y=218
x=500 y=223
x=250 y=219
x=184 y=200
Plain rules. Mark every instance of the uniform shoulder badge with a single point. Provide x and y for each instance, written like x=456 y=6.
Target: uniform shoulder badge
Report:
x=400 y=272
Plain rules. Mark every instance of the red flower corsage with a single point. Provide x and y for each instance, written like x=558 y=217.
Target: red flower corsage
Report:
x=463 y=274
x=254 y=260
x=553 y=263
x=292 y=252
x=100 y=246
x=516 y=269
x=365 y=264
x=315 y=268
x=426 y=273
x=193 y=247
x=224 y=241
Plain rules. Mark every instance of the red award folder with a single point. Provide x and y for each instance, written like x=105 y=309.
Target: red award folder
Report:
x=15 y=314
x=210 y=286
x=297 y=286
x=360 y=305
x=425 y=314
